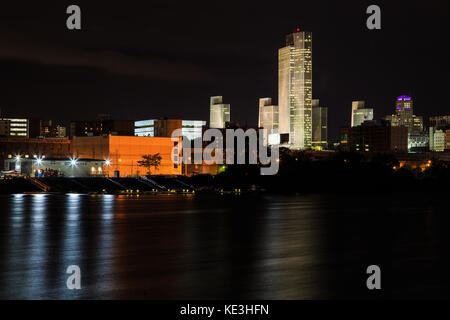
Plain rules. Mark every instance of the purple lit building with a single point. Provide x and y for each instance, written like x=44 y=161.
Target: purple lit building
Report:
x=404 y=116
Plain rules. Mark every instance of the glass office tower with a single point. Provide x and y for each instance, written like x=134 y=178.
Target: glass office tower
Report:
x=295 y=89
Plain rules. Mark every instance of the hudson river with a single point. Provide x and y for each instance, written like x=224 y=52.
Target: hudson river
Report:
x=216 y=247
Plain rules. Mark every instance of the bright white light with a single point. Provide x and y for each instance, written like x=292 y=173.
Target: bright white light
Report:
x=274 y=139
x=38 y=161
x=73 y=162
x=18 y=158
x=107 y=162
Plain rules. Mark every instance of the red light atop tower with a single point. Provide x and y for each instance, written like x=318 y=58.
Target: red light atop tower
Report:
x=298 y=29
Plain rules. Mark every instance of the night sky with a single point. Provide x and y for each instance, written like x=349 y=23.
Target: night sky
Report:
x=143 y=60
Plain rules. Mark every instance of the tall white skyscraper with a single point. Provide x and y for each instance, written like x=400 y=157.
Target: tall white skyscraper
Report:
x=360 y=113
x=219 y=113
x=268 y=119
x=295 y=89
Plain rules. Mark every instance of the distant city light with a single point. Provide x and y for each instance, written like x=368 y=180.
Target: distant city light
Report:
x=18 y=158
x=38 y=161
x=108 y=162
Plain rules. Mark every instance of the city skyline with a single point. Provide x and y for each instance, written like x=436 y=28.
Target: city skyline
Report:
x=189 y=151
x=238 y=67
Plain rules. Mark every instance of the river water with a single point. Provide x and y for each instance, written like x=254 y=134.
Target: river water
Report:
x=224 y=247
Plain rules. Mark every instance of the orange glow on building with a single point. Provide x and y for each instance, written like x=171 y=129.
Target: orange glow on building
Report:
x=124 y=152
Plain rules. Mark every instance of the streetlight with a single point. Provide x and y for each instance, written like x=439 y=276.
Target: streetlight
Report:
x=73 y=162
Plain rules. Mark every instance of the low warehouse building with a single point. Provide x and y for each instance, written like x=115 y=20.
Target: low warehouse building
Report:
x=122 y=153
x=43 y=167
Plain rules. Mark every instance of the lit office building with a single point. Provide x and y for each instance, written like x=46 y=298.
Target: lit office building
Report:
x=360 y=113
x=440 y=121
x=404 y=116
x=13 y=127
x=61 y=131
x=437 y=139
x=192 y=129
x=219 y=113
x=295 y=89
x=418 y=141
x=50 y=130
x=319 y=125
x=268 y=119
x=144 y=128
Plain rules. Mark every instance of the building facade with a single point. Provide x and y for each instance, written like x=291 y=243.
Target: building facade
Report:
x=192 y=129
x=375 y=138
x=33 y=148
x=268 y=119
x=122 y=153
x=144 y=128
x=295 y=89
x=15 y=127
x=404 y=116
x=437 y=139
x=418 y=142
x=4 y=128
x=50 y=130
x=219 y=113
x=38 y=167
x=439 y=121
x=101 y=127
x=319 y=125
x=360 y=113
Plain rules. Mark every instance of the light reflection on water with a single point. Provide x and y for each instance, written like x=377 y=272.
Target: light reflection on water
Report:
x=185 y=247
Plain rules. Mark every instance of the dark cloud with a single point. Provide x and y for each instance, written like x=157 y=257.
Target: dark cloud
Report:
x=113 y=62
